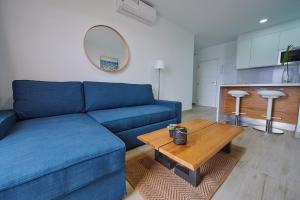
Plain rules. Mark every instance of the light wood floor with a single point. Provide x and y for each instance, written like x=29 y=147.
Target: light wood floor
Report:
x=269 y=170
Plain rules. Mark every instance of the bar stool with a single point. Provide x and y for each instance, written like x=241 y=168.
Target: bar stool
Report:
x=270 y=95
x=238 y=94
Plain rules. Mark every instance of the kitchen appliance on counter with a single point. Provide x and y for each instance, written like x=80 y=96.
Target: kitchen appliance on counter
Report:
x=294 y=56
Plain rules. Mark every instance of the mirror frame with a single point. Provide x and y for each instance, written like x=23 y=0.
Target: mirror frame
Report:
x=126 y=61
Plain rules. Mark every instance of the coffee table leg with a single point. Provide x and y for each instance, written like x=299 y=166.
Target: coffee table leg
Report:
x=227 y=148
x=193 y=177
x=164 y=160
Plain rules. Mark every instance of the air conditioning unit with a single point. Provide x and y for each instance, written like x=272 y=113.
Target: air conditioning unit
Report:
x=137 y=9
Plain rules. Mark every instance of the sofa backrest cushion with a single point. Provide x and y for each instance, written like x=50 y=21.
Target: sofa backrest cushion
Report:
x=33 y=99
x=100 y=95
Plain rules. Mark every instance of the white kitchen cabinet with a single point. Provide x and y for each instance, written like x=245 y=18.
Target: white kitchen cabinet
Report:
x=291 y=36
x=243 y=53
x=264 y=50
x=261 y=48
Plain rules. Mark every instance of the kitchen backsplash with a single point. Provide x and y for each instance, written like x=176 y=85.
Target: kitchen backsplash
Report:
x=267 y=74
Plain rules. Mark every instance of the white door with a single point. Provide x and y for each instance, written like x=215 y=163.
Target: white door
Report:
x=207 y=83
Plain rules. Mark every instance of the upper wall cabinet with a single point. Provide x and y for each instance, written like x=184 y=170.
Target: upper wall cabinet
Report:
x=259 y=51
x=264 y=51
x=291 y=36
x=261 y=48
x=243 y=53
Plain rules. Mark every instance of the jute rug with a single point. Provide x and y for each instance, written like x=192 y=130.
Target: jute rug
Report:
x=153 y=181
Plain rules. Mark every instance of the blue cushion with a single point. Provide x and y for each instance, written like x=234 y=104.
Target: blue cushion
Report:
x=130 y=136
x=33 y=99
x=174 y=105
x=121 y=119
x=7 y=121
x=48 y=157
x=99 y=95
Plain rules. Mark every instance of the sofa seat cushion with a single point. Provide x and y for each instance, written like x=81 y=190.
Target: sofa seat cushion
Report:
x=47 y=157
x=121 y=119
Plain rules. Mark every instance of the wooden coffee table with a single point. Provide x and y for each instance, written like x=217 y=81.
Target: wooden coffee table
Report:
x=205 y=139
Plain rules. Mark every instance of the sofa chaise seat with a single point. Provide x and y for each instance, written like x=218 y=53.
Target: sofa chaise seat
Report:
x=47 y=158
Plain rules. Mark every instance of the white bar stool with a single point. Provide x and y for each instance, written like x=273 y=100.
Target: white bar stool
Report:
x=238 y=94
x=270 y=95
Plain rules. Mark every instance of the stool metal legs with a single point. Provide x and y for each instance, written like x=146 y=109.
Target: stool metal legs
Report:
x=238 y=94
x=269 y=116
x=268 y=128
x=237 y=111
x=237 y=121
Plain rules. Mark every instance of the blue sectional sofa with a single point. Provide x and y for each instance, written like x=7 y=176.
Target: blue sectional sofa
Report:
x=67 y=140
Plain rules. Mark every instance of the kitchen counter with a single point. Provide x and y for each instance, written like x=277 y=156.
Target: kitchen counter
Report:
x=262 y=85
x=253 y=106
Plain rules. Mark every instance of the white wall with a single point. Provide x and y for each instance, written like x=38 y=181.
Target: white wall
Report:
x=195 y=78
x=43 y=40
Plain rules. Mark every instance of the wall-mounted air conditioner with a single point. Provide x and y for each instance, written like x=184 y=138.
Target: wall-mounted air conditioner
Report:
x=137 y=9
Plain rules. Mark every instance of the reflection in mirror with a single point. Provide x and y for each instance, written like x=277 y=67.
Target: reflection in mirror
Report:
x=106 y=48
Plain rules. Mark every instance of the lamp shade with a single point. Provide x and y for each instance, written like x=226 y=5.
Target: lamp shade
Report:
x=159 y=64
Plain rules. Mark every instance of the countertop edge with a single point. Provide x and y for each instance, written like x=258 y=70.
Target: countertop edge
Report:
x=261 y=85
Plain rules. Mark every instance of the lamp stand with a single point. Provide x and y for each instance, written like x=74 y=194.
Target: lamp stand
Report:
x=158 y=92
x=159 y=65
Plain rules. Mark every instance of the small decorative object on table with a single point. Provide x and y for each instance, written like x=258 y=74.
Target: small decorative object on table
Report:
x=180 y=135
x=172 y=128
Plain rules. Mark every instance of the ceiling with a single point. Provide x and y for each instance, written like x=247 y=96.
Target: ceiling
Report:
x=218 y=21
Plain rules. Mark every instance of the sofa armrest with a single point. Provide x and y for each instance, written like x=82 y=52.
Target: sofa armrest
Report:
x=7 y=121
x=175 y=105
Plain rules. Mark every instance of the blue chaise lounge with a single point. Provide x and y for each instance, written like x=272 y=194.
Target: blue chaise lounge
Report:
x=67 y=140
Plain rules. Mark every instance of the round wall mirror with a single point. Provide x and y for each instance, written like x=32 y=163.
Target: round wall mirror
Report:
x=106 y=48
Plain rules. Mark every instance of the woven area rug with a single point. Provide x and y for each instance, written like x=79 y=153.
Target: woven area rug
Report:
x=153 y=181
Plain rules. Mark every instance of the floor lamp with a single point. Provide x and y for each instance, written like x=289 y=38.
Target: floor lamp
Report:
x=159 y=65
